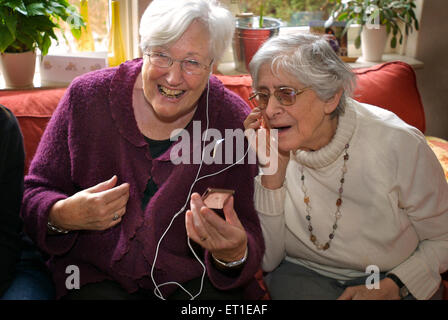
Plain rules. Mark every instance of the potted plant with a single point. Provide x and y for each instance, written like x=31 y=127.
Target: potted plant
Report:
x=26 y=25
x=377 y=19
x=250 y=33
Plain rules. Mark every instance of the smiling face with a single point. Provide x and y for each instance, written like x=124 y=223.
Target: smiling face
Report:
x=306 y=124
x=172 y=93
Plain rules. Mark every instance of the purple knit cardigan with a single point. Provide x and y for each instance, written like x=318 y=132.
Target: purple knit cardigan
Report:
x=92 y=136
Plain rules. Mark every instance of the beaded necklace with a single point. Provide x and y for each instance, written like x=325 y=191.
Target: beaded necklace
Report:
x=337 y=214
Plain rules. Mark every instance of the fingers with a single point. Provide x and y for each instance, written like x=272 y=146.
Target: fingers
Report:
x=102 y=186
x=348 y=294
x=265 y=121
x=192 y=232
x=203 y=223
x=115 y=193
x=198 y=222
x=99 y=207
x=197 y=227
x=253 y=120
x=230 y=213
x=107 y=190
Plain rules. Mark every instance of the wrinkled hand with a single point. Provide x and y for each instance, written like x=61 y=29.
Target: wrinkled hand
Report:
x=388 y=291
x=258 y=134
x=225 y=239
x=93 y=208
x=264 y=141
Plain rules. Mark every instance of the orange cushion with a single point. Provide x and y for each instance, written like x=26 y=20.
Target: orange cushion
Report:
x=391 y=85
x=33 y=109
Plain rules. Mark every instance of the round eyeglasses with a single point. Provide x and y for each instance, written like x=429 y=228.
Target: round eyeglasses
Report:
x=285 y=95
x=188 y=66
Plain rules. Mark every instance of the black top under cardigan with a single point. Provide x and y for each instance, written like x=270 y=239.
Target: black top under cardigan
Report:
x=12 y=161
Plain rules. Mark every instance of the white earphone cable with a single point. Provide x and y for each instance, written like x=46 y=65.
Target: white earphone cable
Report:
x=157 y=291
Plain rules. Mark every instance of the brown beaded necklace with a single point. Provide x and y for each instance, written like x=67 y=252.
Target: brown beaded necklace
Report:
x=337 y=214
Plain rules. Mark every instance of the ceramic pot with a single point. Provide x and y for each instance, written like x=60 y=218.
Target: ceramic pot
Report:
x=18 y=68
x=373 y=43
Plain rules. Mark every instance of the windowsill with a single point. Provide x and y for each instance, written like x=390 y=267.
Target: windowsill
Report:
x=228 y=68
x=414 y=63
x=37 y=84
x=62 y=75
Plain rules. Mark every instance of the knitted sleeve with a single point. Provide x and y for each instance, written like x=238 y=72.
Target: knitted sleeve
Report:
x=423 y=196
x=270 y=208
x=49 y=180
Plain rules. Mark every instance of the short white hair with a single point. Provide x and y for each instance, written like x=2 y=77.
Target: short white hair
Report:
x=311 y=60
x=164 y=22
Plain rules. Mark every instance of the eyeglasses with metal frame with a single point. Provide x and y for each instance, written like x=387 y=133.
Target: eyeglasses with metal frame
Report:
x=285 y=95
x=189 y=66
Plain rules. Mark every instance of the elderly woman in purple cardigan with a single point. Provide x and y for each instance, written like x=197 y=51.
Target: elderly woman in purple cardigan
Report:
x=116 y=203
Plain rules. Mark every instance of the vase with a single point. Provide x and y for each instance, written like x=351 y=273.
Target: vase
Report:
x=18 y=68
x=115 y=53
x=249 y=37
x=85 y=41
x=373 y=43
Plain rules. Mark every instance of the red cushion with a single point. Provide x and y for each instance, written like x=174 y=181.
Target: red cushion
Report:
x=33 y=109
x=391 y=85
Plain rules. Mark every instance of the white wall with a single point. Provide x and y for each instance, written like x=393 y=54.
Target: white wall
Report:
x=432 y=80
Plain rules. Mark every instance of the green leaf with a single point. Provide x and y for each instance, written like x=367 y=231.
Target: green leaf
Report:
x=6 y=39
x=9 y=20
x=393 y=42
x=24 y=42
x=45 y=45
x=358 y=42
x=76 y=33
x=347 y=26
x=16 y=5
x=35 y=9
x=343 y=16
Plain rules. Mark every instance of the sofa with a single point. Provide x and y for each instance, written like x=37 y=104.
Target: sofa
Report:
x=390 y=85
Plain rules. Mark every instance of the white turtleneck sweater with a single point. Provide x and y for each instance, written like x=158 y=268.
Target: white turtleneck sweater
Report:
x=394 y=209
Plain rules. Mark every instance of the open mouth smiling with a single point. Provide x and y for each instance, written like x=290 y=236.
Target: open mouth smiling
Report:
x=170 y=93
x=281 y=128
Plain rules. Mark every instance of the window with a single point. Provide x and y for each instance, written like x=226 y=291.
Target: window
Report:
x=98 y=12
x=293 y=13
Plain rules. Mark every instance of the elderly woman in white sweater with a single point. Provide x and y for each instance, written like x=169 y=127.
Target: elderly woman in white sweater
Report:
x=356 y=189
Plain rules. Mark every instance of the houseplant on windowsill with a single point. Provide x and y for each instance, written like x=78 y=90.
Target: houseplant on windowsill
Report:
x=26 y=25
x=250 y=33
x=377 y=19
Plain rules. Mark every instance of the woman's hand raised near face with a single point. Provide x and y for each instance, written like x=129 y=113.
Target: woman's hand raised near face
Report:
x=264 y=141
x=97 y=208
